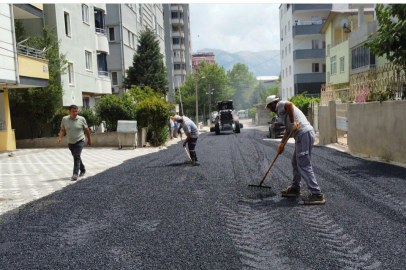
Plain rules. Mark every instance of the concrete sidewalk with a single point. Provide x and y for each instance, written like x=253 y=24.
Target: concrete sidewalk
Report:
x=29 y=174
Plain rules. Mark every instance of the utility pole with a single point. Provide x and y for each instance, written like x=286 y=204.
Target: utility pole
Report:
x=197 y=114
x=180 y=97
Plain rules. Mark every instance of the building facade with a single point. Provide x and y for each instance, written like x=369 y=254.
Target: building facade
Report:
x=81 y=28
x=124 y=24
x=346 y=32
x=207 y=57
x=20 y=66
x=178 y=45
x=302 y=48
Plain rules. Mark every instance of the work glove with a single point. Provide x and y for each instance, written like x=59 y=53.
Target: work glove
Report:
x=281 y=147
x=184 y=143
x=293 y=127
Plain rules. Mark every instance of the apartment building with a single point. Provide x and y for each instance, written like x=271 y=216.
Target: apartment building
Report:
x=20 y=66
x=124 y=24
x=178 y=45
x=302 y=47
x=82 y=31
x=207 y=57
x=346 y=31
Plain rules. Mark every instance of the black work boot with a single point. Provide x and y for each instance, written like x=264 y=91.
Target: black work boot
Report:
x=314 y=199
x=291 y=192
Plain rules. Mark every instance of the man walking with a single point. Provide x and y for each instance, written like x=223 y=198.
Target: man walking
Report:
x=294 y=119
x=75 y=127
x=192 y=133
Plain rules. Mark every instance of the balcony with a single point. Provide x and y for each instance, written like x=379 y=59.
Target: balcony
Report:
x=177 y=59
x=27 y=11
x=307 y=28
x=103 y=85
x=363 y=69
x=361 y=34
x=176 y=34
x=102 y=43
x=309 y=54
x=177 y=21
x=301 y=8
x=310 y=78
x=32 y=67
x=174 y=7
x=178 y=46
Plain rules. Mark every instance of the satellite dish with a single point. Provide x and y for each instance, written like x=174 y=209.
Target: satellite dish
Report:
x=345 y=23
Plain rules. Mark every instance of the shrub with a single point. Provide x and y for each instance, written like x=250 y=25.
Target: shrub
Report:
x=303 y=102
x=57 y=120
x=154 y=114
x=91 y=118
x=252 y=112
x=113 y=108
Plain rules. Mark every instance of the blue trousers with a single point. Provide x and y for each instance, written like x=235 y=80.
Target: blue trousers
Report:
x=301 y=162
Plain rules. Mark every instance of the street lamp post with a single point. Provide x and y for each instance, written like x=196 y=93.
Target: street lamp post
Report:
x=197 y=109
x=210 y=93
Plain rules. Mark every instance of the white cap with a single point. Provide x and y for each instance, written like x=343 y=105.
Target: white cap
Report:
x=177 y=118
x=270 y=99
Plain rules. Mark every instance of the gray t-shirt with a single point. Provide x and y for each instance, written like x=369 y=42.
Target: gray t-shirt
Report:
x=300 y=118
x=190 y=127
x=74 y=128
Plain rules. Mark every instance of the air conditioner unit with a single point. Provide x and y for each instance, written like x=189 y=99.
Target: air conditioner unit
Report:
x=115 y=89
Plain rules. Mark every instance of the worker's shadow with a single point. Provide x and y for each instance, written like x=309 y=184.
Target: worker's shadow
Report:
x=169 y=165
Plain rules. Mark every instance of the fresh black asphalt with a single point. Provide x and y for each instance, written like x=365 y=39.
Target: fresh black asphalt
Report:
x=154 y=212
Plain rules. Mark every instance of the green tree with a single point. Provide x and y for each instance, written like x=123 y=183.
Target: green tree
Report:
x=243 y=82
x=38 y=105
x=272 y=90
x=148 y=67
x=303 y=102
x=257 y=94
x=112 y=108
x=214 y=78
x=91 y=117
x=391 y=34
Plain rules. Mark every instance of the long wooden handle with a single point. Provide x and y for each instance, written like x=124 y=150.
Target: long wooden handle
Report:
x=270 y=166
x=185 y=148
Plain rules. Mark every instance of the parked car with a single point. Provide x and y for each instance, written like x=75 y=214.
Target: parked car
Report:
x=241 y=114
x=276 y=127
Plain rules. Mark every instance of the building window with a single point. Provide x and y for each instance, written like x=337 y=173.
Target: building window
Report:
x=289 y=48
x=174 y=14
x=342 y=64
x=285 y=30
x=315 y=67
x=290 y=70
x=139 y=14
x=71 y=74
x=154 y=24
x=323 y=44
x=114 y=78
x=288 y=26
x=99 y=20
x=137 y=11
x=134 y=41
x=112 y=36
x=86 y=104
x=85 y=13
x=324 y=68
x=291 y=92
x=176 y=53
x=361 y=57
x=175 y=41
x=286 y=51
x=333 y=65
x=286 y=72
x=283 y=73
x=315 y=44
x=88 y=58
x=176 y=66
x=102 y=64
x=282 y=54
x=67 y=24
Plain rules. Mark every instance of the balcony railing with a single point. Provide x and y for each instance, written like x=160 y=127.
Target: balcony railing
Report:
x=339 y=41
x=28 y=51
x=322 y=21
x=100 y=31
x=103 y=73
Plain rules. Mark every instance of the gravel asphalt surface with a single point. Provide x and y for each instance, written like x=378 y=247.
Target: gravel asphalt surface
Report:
x=154 y=212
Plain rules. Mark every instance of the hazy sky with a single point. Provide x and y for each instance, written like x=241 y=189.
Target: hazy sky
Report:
x=235 y=27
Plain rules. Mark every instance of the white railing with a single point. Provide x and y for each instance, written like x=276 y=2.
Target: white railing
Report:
x=28 y=51
x=310 y=22
x=103 y=73
x=364 y=68
x=100 y=31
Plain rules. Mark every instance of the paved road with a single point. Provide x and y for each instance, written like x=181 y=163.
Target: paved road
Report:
x=153 y=212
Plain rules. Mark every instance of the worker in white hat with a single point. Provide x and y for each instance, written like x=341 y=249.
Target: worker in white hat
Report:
x=294 y=119
x=192 y=133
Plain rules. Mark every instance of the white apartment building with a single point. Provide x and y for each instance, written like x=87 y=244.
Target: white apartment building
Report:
x=178 y=45
x=302 y=47
x=124 y=24
x=83 y=38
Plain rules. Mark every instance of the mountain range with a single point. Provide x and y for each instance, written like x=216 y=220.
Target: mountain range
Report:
x=263 y=63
